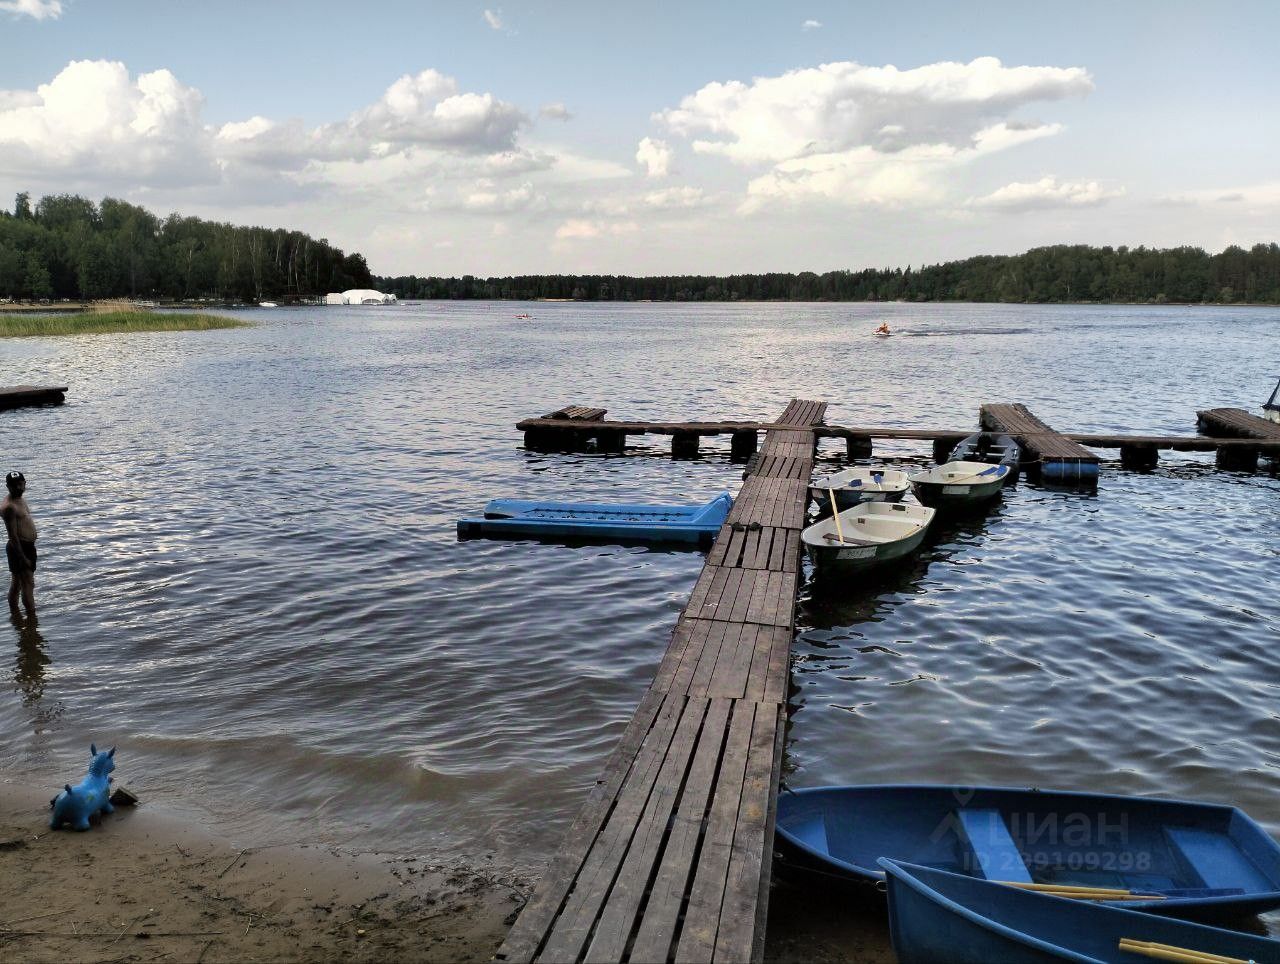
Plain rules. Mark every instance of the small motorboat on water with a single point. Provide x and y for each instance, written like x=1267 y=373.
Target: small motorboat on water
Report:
x=939 y=916
x=992 y=449
x=267 y=304
x=1200 y=861
x=858 y=484
x=959 y=484
x=514 y=518
x=869 y=534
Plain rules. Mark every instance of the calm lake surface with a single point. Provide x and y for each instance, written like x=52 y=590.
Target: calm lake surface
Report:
x=250 y=581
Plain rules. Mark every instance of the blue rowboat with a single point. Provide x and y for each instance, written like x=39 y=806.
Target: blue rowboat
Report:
x=1197 y=860
x=512 y=518
x=939 y=916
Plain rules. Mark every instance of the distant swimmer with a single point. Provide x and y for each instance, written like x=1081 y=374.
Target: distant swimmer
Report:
x=20 y=550
x=883 y=329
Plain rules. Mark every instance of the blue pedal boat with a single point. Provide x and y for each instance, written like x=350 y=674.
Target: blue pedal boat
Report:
x=510 y=518
x=939 y=916
x=1197 y=860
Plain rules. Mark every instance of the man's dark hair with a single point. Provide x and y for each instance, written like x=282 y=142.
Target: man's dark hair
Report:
x=13 y=478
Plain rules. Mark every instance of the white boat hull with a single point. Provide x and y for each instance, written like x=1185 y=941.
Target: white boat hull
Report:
x=868 y=535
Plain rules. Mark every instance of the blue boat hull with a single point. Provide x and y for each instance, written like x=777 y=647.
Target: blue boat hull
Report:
x=1207 y=862
x=514 y=518
x=940 y=916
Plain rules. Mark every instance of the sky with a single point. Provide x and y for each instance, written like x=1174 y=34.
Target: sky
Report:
x=662 y=138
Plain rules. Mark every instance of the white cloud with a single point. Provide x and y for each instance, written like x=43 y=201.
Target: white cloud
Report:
x=855 y=134
x=1265 y=194
x=516 y=199
x=36 y=9
x=654 y=156
x=92 y=118
x=583 y=229
x=840 y=106
x=1047 y=192
x=494 y=19
x=810 y=25
x=556 y=111
x=676 y=197
x=94 y=123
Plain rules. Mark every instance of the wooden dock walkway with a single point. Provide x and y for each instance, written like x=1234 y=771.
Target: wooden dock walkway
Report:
x=1239 y=424
x=670 y=858
x=1057 y=458
x=21 y=396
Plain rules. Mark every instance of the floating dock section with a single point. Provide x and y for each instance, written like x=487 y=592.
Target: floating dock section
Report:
x=1239 y=424
x=671 y=856
x=1058 y=459
x=21 y=396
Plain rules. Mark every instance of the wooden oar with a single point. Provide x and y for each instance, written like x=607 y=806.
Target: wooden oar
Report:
x=835 y=514
x=963 y=480
x=1080 y=891
x=1168 y=952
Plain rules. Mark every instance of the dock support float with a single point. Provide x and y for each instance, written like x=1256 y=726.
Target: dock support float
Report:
x=742 y=445
x=24 y=396
x=671 y=855
x=858 y=447
x=1139 y=458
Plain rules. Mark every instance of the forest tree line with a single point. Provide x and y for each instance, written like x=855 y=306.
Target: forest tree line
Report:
x=1062 y=273
x=65 y=246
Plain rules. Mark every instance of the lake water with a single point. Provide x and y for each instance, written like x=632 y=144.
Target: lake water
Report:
x=250 y=581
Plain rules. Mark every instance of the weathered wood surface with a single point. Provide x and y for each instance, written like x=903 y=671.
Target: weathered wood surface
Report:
x=577 y=413
x=19 y=396
x=671 y=855
x=1035 y=436
x=1237 y=423
x=1184 y=443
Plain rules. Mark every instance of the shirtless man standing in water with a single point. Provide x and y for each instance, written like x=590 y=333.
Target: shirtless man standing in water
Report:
x=20 y=549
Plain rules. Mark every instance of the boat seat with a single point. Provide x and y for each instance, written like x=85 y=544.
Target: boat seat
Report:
x=1217 y=860
x=988 y=837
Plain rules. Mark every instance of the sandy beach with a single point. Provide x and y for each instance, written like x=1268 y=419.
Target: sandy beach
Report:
x=143 y=885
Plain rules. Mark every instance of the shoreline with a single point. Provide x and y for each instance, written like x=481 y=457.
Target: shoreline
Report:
x=145 y=885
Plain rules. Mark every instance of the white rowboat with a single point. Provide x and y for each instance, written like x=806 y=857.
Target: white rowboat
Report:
x=859 y=484
x=867 y=535
x=959 y=483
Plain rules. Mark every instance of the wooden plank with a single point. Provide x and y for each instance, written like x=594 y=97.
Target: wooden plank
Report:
x=740 y=922
x=538 y=914
x=704 y=672
x=658 y=928
x=572 y=928
x=618 y=915
x=702 y=915
x=779 y=667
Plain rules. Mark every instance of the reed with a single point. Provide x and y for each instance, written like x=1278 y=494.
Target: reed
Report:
x=112 y=322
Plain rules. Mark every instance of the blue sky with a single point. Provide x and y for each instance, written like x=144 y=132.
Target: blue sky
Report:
x=700 y=137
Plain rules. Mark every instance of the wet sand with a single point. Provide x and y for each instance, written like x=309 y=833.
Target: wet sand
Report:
x=142 y=885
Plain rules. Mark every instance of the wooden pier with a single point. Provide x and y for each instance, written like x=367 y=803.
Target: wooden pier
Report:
x=22 y=396
x=671 y=856
x=556 y=432
x=1239 y=424
x=1055 y=457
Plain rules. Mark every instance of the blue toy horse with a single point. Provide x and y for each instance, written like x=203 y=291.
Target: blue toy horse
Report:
x=75 y=805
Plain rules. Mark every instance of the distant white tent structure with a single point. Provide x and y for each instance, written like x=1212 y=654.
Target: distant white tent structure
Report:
x=359 y=296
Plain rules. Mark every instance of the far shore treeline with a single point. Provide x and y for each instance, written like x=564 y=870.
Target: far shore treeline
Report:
x=68 y=247
x=1062 y=273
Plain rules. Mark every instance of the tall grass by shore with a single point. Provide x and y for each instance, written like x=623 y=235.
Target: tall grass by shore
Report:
x=112 y=322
